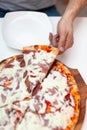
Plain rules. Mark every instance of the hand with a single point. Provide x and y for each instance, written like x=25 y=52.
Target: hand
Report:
x=64 y=37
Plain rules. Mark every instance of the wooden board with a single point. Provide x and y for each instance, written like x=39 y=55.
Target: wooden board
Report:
x=83 y=93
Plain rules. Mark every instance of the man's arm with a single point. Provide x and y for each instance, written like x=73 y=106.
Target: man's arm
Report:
x=64 y=37
x=73 y=8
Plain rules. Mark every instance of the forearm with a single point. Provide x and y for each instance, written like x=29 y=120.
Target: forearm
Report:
x=73 y=8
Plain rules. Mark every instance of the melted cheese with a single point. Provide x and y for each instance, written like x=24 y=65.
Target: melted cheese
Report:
x=35 y=73
x=32 y=64
x=59 y=119
x=7 y=120
x=39 y=57
x=55 y=79
x=31 y=122
x=14 y=94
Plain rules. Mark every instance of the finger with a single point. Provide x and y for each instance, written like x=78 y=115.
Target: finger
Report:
x=62 y=42
x=62 y=37
x=55 y=40
x=50 y=37
x=69 y=44
x=69 y=41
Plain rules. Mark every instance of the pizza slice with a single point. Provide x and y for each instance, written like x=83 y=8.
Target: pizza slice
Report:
x=38 y=60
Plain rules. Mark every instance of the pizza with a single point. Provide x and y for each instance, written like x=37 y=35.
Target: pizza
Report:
x=37 y=91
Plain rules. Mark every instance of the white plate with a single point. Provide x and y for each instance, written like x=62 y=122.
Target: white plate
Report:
x=23 y=28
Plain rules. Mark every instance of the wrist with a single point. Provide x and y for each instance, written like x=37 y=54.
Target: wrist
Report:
x=73 y=8
x=69 y=16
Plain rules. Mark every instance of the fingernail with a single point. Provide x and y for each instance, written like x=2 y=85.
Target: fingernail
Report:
x=61 y=49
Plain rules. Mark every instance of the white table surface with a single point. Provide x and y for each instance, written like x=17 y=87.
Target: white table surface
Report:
x=75 y=57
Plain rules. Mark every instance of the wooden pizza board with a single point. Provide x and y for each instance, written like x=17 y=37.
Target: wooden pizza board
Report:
x=83 y=93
